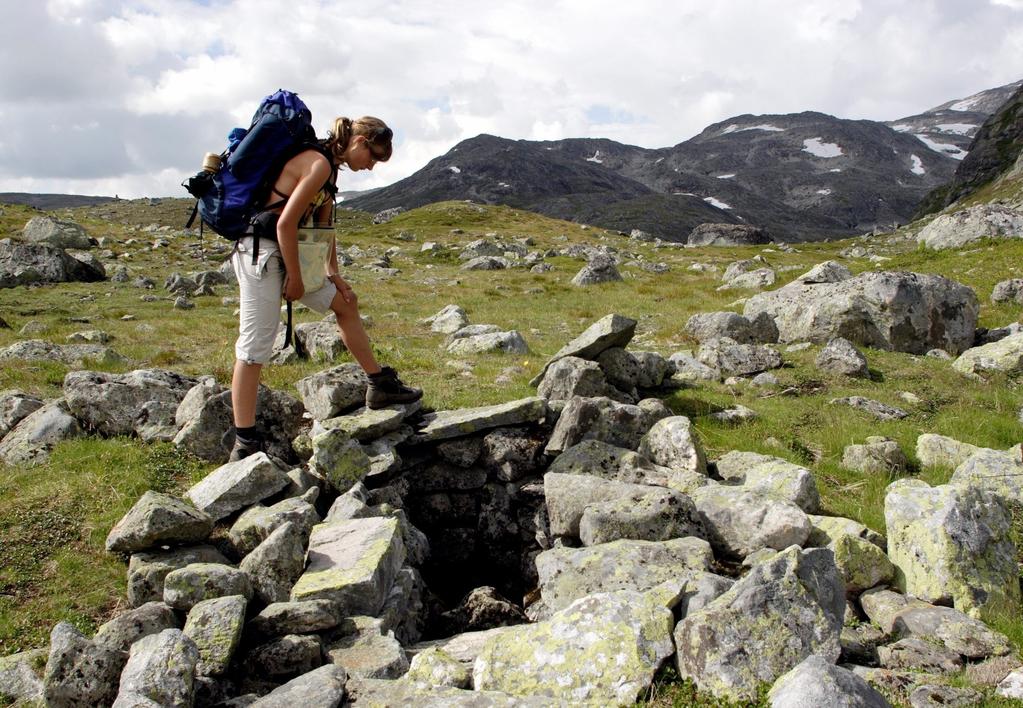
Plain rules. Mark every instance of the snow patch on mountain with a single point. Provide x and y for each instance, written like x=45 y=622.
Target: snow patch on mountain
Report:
x=717 y=203
x=455 y=169
x=734 y=128
x=595 y=158
x=967 y=103
x=953 y=151
x=728 y=176
x=918 y=166
x=825 y=192
x=957 y=128
x=818 y=148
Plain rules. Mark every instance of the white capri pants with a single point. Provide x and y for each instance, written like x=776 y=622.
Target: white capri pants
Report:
x=260 y=290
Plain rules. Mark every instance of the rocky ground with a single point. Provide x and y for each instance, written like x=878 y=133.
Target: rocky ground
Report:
x=638 y=503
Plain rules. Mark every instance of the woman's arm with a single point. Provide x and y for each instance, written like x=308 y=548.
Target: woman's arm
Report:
x=313 y=170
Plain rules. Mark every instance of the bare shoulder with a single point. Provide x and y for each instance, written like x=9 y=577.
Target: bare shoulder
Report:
x=309 y=162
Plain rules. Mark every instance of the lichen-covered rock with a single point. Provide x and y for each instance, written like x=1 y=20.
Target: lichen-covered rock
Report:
x=704 y=326
x=919 y=655
x=840 y=356
x=289 y=656
x=600 y=459
x=458 y=423
x=185 y=587
x=600 y=269
x=508 y=342
x=19 y=681
x=236 y=485
x=951 y=544
x=80 y=672
x=14 y=407
x=894 y=311
x=352 y=563
x=160 y=671
x=435 y=667
x=621 y=368
x=567 y=574
x=568 y=496
x=32 y=439
x=158 y=518
x=771 y=476
x=380 y=693
x=449 y=320
x=56 y=232
x=600 y=418
x=1005 y=355
x=369 y=654
x=689 y=369
x=826 y=272
x=367 y=424
x=275 y=564
x=305 y=617
x=257 y=522
x=323 y=688
x=734 y=359
x=672 y=442
x=110 y=404
x=826 y=529
x=511 y=453
x=642 y=516
x=816 y=682
x=739 y=521
x=941 y=451
x=25 y=263
x=215 y=626
x=781 y=612
x=567 y=656
x=878 y=455
x=964 y=226
x=339 y=459
x=881 y=411
x=997 y=471
x=331 y=392
x=147 y=571
x=609 y=331
x=861 y=564
x=127 y=628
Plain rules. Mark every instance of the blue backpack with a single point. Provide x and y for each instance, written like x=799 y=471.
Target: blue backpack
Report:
x=230 y=197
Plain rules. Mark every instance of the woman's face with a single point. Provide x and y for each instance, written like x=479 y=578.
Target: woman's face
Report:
x=360 y=154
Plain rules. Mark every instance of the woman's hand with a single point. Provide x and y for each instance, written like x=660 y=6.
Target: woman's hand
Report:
x=293 y=288
x=347 y=294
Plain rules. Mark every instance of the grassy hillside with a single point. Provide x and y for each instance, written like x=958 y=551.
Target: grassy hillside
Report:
x=53 y=518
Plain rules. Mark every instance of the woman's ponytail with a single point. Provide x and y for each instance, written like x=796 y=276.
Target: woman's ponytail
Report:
x=338 y=137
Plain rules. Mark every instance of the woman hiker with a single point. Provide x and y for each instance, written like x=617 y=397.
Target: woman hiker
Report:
x=269 y=266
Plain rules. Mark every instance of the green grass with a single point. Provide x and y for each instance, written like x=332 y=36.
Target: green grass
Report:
x=54 y=518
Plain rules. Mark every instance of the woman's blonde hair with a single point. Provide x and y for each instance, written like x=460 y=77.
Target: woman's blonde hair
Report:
x=376 y=132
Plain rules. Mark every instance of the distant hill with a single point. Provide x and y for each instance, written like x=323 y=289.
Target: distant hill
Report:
x=48 y=202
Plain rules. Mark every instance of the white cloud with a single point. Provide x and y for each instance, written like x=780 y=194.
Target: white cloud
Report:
x=162 y=81
x=1014 y=4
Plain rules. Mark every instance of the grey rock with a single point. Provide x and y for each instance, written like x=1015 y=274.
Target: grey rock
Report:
x=965 y=226
x=700 y=590
x=600 y=459
x=19 y=681
x=671 y=442
x=1004 y=355
x=841 y=357
x=147 y=571
x=487 y=263
x=480 y=247
x=571 y=376
x=817 y=682
x=600 y=269
x=56 y=232
x=511 y=453
x=894 y=311
x=286 y=657
x=444 y=425
x=331 y=392
x=236 y=485
x=380 y=692
x=369 y=654
x=730 y=358
x=600 y=418
x=449 y=320
x=434 y=667
x=276 y=563
x=80 y=672
x=881 y=411
x=997 y=471
x=757 y=279
x=110 y=404
x=160 y=671
x=826 y=272
x=305 y=617
x=215 y=626
x=158 y=518
x=1008 y=291
x=483 y=608
x=736 y=415
x=76 y=355
x=690 y=369
x=568 y=496
x=609 y=331
x=15 y=406
x=26 y=263
x=642 y=516
x=941 y=696
x=387 y=215
x=876 y=456
x=32 y=439
x=781 y=612
x=127 y=628
x=339 y=459
x=919 y=655
x=771 y=476
x=257 y=522
x=185 y=587
x=704 y=326
x=507 y=342
x=620 y=367
x=653 y=368
x=727 y=235
x=739 y=521
x=323 y=688
x=320 y=341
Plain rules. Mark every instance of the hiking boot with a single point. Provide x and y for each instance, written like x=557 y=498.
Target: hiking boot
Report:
x=386 y=389
x=243 y=448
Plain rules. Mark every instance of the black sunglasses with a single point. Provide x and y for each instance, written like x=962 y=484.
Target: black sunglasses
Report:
x=380 y=135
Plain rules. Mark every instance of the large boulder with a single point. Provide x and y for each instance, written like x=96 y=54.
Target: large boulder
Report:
x=80 y=672
x=817 y=682
x=148 y=570
x=734 y=359
x=609 y=331
x=771 y=476
x=116 y=404
x=158 y=518
x=444 y=425
x=569 y=495
x=671 y=442
x=324 y=687
x=704 y=326
x=739 y=521
x=951 y=544
x=128 y=627
x=1005 y=355
x=895 y=311
x=275 y=564
x=34 y=437
x=784 y=610
x=568 y=656
x=644 y=515
x=600 y=418
x=571 y=376
x=73 y=355
x=601 y=269
x=15 y=406
x=972 y=224
x=727 y=235
x=237 y=485
x=186 y=587
x=997 y=471
x=25 y=263
x=56 y=232
x=160 y=671
x=331 y=392
x=215 y=626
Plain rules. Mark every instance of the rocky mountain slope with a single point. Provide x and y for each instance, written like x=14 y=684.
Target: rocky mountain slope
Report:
x=802 y=177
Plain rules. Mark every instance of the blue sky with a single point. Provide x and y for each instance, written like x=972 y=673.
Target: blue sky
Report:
x=106 y=96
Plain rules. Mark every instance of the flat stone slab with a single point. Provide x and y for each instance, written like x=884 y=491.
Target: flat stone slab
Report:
x=158 y=518
x=377 y=693
x=609 y=331
x=444 y=425
x=352 y=562
x=237 y=485
x=368 y=424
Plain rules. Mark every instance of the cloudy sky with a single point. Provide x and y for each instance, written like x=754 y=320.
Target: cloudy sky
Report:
x=124 y=96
